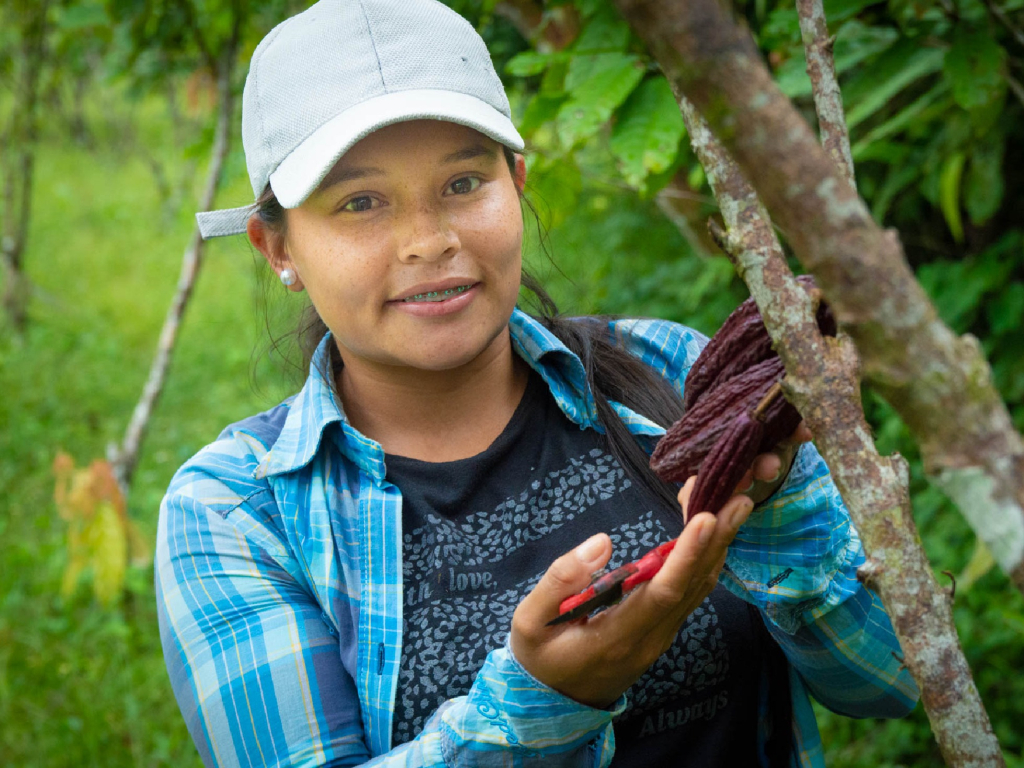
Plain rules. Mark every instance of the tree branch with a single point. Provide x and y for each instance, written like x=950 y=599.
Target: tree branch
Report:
x=939 y=383
x=828 y=102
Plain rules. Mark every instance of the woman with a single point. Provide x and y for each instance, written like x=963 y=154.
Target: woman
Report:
x=367 y=571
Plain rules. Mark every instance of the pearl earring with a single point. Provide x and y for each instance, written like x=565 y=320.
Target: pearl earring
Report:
x=287 y=277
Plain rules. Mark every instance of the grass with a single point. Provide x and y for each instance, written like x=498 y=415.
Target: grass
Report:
x=85 y=685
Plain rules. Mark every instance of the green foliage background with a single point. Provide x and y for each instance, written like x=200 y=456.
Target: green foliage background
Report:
x=936 y=128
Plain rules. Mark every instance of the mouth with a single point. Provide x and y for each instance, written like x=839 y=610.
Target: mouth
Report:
x=434 y=296
x=436 y=291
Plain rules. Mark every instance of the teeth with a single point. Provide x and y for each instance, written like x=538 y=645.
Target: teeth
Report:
x=438 y=295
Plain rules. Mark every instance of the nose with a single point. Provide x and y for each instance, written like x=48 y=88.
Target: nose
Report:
x=427 y=235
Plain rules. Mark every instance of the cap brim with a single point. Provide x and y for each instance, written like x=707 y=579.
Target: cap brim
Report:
x=227 y=221
x=306 y=166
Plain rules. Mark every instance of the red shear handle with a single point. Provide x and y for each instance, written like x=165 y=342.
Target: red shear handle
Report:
x=610 y=587
x=648 y=565
x=601 y=585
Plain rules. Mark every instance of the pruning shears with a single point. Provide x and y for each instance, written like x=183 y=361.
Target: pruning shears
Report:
x=608 y=588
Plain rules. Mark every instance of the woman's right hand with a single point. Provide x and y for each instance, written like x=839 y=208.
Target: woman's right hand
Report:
x=594 y=660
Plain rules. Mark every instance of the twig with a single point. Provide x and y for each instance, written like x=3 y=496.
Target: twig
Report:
x=828 y=102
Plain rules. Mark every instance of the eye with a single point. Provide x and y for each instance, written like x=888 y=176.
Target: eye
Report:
x=464 y=185
x=361 y=203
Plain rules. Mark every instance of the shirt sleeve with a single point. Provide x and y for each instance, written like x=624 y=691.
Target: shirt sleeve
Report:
x=796 y=558
x=258 y=673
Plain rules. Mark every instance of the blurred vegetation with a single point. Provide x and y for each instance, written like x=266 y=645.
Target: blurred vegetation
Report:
x=126 y=112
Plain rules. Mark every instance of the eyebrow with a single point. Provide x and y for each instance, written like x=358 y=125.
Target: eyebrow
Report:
x=338 y=175
x=470 y=153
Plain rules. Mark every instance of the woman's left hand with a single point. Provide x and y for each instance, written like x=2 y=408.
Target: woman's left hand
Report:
x=769 y=470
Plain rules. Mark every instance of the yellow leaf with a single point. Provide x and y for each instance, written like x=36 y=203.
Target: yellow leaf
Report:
x=72 y=573
x=949 y=194
x=108 y=552
x=981 y=562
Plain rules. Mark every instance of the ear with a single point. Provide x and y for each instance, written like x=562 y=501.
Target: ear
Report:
x=272 y=245
x=520 y=175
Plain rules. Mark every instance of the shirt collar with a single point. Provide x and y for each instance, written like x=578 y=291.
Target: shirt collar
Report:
x=316 y=407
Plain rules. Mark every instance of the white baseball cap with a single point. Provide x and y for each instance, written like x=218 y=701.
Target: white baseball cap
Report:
x=340 y=70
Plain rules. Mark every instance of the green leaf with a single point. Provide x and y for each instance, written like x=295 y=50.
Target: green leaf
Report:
x=912 y=114
x=647 y=132
x=554 y=187
x=855 y=42
x=530 y=63
x=949 y=194
x=597 y=85
x=837 y=10
x=975 y=66
x=1006 y=311
x=876 y=85
x=983 y=185
x=553 y=82
x=781 y=29
x=606 y=32
x=541 y=110
x=899 y=178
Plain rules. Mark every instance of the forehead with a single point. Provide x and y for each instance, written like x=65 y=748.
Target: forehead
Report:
x=430 y=141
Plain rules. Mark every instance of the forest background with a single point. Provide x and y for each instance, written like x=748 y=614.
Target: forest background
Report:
x=120 y=143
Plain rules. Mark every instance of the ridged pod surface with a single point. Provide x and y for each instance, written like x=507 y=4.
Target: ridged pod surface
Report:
x=726 y=464
x=682 y=449
x=740 y=343
x=733 y=372
x=742 y=329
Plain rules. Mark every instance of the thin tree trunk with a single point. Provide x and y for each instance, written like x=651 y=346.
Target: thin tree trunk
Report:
x=939 y=383
x=125 y=458
x=17 y=159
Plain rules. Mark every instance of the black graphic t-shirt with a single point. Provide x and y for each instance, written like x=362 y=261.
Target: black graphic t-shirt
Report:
x=479 y=533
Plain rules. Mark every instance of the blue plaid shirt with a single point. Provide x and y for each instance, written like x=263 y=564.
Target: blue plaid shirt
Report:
x=279 y=589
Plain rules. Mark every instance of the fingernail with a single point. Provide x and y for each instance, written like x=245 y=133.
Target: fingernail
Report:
x=739 y=515
x=589 y=550
x=775 y=479
x=706 y=529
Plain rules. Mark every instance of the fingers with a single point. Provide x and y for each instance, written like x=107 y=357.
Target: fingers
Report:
x=697 y=556
x=802 y=434
x=688 y=564
x=767 y=467
x=684 y=497
x=566 y=576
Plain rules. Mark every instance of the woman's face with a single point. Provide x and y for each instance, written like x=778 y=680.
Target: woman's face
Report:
x=410 y=249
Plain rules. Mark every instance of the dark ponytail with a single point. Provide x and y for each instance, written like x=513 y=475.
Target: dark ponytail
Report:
x=612 y=372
